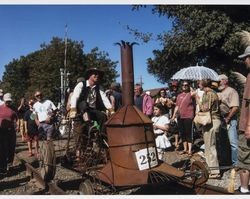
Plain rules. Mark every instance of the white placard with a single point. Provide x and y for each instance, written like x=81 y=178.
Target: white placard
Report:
x=146 y=157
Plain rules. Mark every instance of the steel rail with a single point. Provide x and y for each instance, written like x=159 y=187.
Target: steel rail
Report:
x=34 y=174
x=52 y=187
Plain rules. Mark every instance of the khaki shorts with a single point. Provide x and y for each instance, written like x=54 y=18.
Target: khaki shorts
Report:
x=243 y=153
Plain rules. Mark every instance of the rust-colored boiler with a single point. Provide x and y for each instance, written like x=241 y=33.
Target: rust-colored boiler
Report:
x=131 y=141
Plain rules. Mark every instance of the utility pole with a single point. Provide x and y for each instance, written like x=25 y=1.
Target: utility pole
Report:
x=63 y=72
x=140 y=80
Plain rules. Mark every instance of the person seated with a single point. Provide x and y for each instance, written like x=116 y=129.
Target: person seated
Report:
x=91 y=103
x=87 y=97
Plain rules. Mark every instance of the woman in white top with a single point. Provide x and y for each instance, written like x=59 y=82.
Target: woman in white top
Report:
x=160 y=126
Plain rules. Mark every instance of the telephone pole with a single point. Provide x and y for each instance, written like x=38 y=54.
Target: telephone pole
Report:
x=63 y=71
x=140 y=80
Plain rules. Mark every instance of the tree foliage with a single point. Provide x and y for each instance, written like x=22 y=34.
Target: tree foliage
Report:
x=200 y=34
x=40 y=70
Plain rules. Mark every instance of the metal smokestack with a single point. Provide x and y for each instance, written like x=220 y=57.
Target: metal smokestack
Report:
x=132 y=151
x=127 y=73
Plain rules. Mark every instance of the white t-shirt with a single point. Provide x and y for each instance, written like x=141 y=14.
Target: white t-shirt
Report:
x=43 y=109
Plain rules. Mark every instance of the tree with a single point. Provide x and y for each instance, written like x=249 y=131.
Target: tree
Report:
x=41 y=69
x=200 y=34
x=16 y=73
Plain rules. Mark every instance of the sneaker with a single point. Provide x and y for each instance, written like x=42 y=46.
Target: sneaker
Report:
x=239 y=189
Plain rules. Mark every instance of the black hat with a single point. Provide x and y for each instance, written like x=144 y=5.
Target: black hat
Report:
x=91 y=71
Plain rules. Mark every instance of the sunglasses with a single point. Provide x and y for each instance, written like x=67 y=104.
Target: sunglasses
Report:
x=39 y=95
x=184 y=84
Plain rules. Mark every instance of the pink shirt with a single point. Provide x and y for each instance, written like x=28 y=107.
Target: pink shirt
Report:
x=186 y=105
x=147 y=105
x=8 y=117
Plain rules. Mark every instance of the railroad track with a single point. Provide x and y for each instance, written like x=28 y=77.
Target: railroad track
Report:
x=60 y=186
x=50 y=186
x=26 y=179
x=32 y=183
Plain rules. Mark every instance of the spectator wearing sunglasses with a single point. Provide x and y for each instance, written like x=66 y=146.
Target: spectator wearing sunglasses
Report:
x=184 y=110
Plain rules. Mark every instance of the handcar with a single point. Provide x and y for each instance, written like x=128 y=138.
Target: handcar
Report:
x=124 y=158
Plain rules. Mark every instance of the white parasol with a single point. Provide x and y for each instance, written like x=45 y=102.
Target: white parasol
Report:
x=195 y=73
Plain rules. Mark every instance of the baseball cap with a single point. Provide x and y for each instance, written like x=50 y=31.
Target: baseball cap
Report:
x=246 y=53
x=222 y=77
x=7 y=97
x=174 y=83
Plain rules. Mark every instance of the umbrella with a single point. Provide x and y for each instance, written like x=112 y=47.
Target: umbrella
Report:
x=195 y=73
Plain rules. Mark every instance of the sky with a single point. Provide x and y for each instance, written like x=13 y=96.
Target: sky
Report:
x=25 y=27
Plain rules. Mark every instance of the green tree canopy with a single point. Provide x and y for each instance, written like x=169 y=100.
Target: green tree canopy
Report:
x=41 y=69
x=200 y=34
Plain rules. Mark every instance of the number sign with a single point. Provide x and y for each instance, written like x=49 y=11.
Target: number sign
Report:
x=146 y=158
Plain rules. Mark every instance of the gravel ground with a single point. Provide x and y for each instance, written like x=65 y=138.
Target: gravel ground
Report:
x=173 y=158
x=18 y=183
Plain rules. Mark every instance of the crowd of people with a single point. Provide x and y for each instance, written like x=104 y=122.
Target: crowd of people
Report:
x=172 y=112
x=31 y=120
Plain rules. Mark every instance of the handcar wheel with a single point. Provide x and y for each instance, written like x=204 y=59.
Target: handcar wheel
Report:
x=86 y=188
x=47 y=161
x=199 y=173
